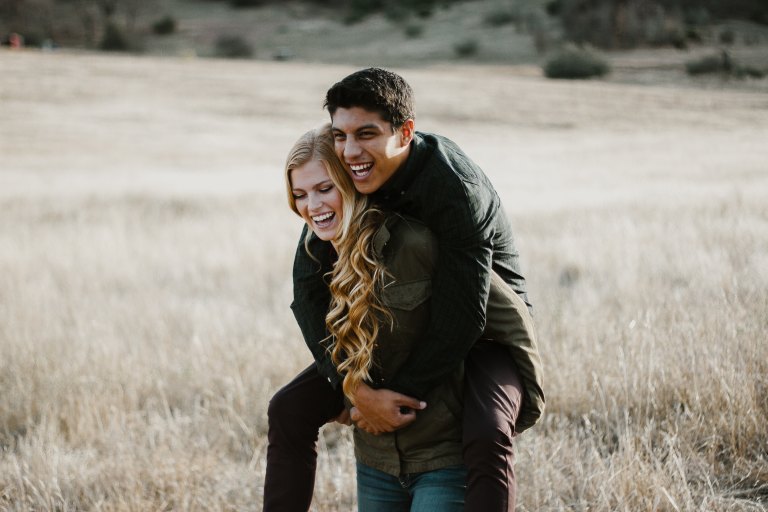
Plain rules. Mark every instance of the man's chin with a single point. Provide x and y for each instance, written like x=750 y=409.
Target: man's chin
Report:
x=366 y=187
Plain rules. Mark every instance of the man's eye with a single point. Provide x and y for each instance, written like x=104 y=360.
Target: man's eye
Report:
x=339 y=136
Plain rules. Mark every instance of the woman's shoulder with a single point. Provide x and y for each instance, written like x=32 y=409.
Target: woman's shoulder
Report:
x=406 y=245
x=409 y=233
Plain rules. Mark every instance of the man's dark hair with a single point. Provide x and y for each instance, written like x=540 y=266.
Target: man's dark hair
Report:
x=375 y=90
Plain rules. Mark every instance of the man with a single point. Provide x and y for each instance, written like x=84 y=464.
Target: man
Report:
x=428 y=177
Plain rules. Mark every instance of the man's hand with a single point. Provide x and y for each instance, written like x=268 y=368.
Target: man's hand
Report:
x=382 y=410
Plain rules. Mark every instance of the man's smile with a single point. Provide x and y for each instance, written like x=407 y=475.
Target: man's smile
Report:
x=361 y=170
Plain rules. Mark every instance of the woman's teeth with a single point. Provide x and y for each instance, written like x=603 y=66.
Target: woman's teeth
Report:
x=322 y=218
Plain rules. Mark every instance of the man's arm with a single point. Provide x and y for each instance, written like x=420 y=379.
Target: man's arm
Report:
x=311 y=299
x=463 y=216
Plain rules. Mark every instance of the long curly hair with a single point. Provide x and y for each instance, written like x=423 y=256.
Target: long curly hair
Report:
x=356 y=313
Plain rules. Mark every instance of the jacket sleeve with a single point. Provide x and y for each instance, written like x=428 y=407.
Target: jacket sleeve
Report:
x=463 y=221
x=311 y=299
x=509 y=323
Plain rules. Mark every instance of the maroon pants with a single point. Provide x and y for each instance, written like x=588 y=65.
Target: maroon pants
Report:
x=492 y=399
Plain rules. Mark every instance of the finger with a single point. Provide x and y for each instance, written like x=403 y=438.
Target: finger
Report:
x=411 y=403
x=406 y=418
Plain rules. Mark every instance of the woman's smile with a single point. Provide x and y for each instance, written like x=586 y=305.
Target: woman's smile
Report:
x=317 y=198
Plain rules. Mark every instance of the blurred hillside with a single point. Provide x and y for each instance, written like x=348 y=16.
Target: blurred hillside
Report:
x=645 y=40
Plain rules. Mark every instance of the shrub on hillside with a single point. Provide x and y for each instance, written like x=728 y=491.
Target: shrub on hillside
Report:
x=114 y=40
x=748 y=72
x=396 y=13
x=245 y=3
x=499 y=17
x=573 y=63
x=233 y=47
x=413 y=30
x=164 y=26
x=727 y=36
x=466 y=48
x=709 y=64
x=358 y=10
x=723 y=64
x=395 y=10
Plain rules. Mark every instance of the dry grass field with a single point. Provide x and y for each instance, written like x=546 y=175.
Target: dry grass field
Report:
x=145 y=254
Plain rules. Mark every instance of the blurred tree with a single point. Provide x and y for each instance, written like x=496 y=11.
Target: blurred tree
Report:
x=9 y=9
x=96 y=16
x=629 y=23
x=33 y=19
x=357 y=10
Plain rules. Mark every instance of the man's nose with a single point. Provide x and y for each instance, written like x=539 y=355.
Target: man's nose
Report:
x=351 y=148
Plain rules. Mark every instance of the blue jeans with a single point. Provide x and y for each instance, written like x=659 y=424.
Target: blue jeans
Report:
x=441 y=490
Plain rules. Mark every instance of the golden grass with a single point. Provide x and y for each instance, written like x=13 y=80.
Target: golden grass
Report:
x=145 y=254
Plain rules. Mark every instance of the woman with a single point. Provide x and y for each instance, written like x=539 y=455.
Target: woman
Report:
x=380 y=288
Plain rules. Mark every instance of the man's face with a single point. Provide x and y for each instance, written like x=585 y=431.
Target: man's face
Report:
x=370 y=150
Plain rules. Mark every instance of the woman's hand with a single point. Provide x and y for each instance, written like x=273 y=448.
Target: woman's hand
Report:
x=382 y=410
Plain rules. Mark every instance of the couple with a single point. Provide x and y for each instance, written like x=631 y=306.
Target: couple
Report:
x=408 y=293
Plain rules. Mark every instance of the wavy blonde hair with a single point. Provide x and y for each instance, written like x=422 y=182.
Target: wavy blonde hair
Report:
x=356 y=312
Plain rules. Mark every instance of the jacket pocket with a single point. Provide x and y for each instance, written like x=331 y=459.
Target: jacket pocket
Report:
x=407 y=296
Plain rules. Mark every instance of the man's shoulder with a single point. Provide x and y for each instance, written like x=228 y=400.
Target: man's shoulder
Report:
x=447 y=162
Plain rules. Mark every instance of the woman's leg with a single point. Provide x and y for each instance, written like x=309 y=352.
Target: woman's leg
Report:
x=296 y=413
x=493 y=395
x=380 y=492
x=442 y=490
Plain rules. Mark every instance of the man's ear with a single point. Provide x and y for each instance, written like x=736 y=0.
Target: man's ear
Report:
x=407 y=131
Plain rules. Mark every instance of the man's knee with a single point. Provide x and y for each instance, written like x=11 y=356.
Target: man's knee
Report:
x=279 y=407
x=304 y=404
x=487 y=437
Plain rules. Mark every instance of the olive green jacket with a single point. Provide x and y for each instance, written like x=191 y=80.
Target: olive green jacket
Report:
x=408 y=250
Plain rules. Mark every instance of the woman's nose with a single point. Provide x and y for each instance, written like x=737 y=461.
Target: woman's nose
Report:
x=315 y=201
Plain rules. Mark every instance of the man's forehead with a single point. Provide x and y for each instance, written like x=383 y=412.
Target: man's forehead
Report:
x=357 y=118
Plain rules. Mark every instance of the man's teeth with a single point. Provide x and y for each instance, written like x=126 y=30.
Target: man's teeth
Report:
x=360 y=168
x=321 y=218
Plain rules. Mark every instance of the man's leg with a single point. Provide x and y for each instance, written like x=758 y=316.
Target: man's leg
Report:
x=296 y=413
x=493 y=395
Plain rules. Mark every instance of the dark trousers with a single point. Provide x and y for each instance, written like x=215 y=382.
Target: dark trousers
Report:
x=492 y=399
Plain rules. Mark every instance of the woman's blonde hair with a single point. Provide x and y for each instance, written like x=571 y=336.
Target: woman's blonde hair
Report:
x=356 y=311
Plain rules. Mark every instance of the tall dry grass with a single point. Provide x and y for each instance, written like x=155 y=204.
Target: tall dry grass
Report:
x=145 y=282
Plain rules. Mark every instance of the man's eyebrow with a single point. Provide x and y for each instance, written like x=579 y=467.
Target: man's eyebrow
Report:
x=370 y=126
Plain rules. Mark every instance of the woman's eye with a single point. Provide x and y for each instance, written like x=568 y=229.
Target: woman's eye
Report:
x=326 y=189
x=298 y=196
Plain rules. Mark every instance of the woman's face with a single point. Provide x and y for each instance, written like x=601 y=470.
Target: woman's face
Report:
x=317 y=199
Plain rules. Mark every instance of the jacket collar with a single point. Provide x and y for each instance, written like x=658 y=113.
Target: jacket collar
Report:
x=404 y=176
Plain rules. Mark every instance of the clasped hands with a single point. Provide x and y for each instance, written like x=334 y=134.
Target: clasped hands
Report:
x=377 y=411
